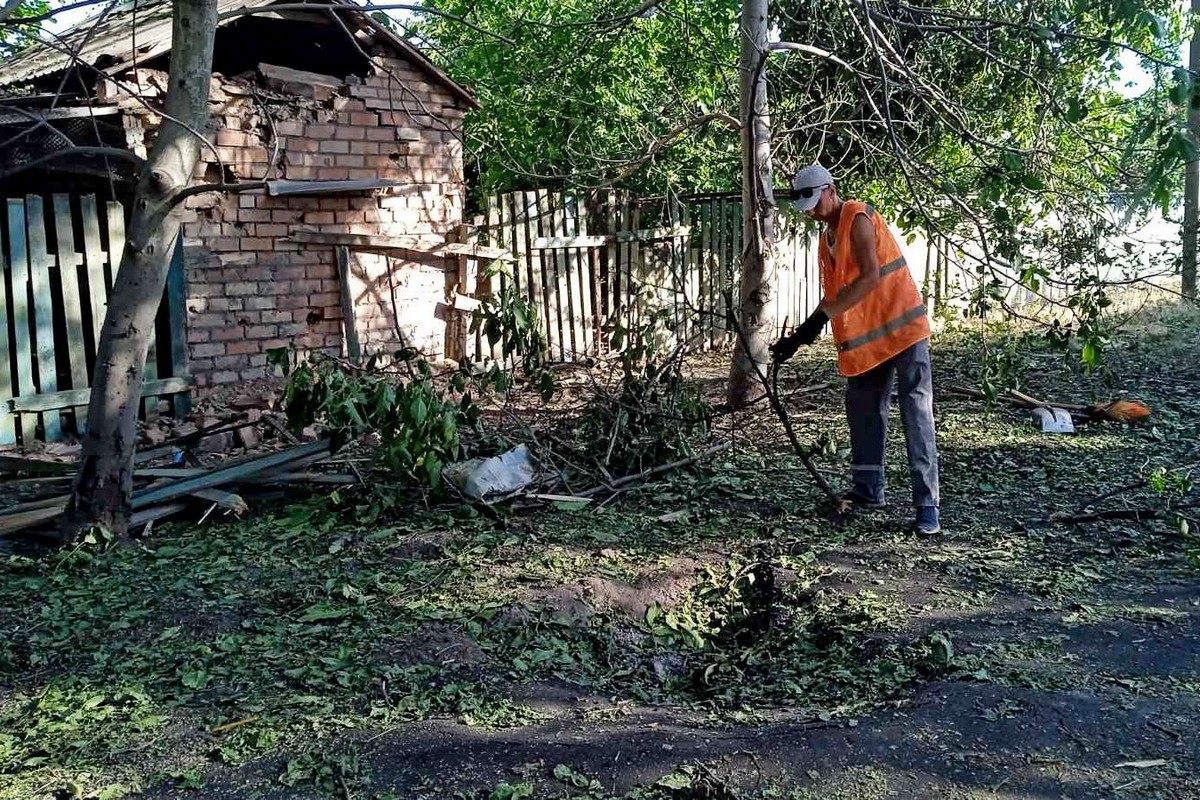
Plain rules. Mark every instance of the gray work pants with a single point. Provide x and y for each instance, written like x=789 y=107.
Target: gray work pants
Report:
x=867 y=399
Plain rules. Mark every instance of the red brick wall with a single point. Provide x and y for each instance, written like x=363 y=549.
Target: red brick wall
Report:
x=250 y=290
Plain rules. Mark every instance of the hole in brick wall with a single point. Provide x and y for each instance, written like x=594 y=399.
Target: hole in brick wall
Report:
x=215 y=173
x=315 y=316
x=395 y=157
x=242 y=45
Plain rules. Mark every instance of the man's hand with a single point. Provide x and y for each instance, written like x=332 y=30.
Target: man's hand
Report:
x=784 y=349
x=806 y=334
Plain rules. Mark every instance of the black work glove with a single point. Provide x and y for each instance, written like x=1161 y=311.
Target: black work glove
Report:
x=810 y=329
x=806 y=334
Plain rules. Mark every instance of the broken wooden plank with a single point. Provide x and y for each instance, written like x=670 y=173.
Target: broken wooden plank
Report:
x=14 y=523
x=403 y=245
x=79 y=397
x=229 y=474
x=169 y=472
x=273 y=72
x=148 y=515
x=57 y=501
x=643 y=235
x=335 y=479
x=29 y=115
x=349 y=326
x=226 y=500
x=35 y=466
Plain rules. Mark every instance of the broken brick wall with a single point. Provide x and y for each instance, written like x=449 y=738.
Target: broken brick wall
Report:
x=249 y=289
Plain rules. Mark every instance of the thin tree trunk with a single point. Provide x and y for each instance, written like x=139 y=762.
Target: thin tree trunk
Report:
x=758 y=211
x=1191 y=176
x=103 y=488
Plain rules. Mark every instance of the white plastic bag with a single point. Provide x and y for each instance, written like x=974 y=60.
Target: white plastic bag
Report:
x=498 y=476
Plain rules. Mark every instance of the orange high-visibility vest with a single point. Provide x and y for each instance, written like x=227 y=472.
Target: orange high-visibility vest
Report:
x=887 y=321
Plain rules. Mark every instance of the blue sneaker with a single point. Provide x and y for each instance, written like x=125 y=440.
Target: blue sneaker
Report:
x=927 y=523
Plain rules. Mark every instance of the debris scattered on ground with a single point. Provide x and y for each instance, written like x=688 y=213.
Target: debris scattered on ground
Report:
x=1120 y=410
x=211 y=460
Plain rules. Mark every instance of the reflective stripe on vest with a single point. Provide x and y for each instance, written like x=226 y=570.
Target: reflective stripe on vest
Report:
x=892 y=266
x=883 y=330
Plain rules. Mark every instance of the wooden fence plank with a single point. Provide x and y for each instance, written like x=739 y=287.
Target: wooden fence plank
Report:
x=40 y=261
x=581 y=277
x=679 y=298
x=564 y=264
x=613 y=259
x=538 y=224
x=524 y=205
x=177 y=317
x=94 y=259
x=718 y=272
x=8 y=429
x=637 y=266
x=597 y=297
x=69 y=262
x=74 y=397
x=349 y=327
x=691 y=282
x=568 y=262
x=115 y=217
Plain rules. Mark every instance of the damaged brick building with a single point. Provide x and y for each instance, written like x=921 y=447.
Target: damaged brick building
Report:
x=355 y=133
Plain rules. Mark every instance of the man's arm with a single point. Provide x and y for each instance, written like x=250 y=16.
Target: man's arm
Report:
x=862 y=242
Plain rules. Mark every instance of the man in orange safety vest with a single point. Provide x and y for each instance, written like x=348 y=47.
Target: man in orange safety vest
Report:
x=882 y=335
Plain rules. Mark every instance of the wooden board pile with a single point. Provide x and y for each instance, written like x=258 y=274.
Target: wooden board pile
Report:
x=168 y=479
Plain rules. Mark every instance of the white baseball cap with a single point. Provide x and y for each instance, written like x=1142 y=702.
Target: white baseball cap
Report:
x=807 y=185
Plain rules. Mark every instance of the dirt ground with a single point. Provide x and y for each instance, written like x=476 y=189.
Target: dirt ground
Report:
x=710 y=635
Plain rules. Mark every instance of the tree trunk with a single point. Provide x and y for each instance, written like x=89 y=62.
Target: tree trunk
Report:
x=1191 y=176
x=755 y=313
x=103 y=488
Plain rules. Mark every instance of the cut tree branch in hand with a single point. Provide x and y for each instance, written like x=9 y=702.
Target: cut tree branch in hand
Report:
x=769 y=381
x=103 y=489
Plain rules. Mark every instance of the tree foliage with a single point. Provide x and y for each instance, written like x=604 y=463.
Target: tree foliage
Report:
x=15 y=37
x=591 y=94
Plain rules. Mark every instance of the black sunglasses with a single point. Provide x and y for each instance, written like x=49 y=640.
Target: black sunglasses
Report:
x=808 y=191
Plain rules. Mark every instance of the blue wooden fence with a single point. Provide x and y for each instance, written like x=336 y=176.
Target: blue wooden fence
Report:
x=60 y=255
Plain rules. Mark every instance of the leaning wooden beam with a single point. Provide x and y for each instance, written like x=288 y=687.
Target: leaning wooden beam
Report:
x=399 y=245
x=79 y=397
x=224 y=475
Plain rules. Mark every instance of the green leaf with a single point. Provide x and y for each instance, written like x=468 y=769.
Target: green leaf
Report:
x=323 y=611
x=194 y=679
